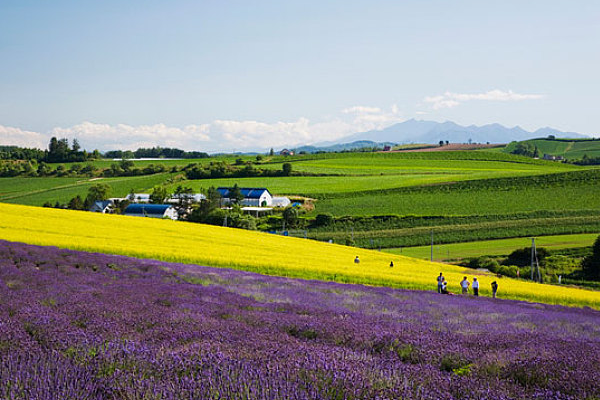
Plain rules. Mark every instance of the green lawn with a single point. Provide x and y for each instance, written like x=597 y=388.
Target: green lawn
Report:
x=501 y=247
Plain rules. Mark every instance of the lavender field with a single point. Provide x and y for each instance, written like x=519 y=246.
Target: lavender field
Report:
x=90 y=326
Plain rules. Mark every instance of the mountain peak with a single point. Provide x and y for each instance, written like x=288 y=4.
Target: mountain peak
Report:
x=420 y=131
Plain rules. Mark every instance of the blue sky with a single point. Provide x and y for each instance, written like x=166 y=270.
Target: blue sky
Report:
x=235 y=75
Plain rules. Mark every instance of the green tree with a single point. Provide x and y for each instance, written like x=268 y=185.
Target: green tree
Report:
x=324 y=219
x=159 y=194
x=522 y=257
x=97 y=192
x=235 y=194
x=290 y=216
x=286 y=169
x=591 y=264
x=271 y=152
x=76 y=203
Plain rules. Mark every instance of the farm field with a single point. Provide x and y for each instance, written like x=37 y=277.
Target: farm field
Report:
x=501 y=195
x=93 y=326
x=37 y=191
x=569 y=149
x=501 y=247
x=252 y=251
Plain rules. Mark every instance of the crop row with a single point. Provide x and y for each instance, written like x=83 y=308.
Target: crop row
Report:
x=419 y=236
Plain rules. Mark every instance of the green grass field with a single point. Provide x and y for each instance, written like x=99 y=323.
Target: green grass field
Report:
x=501 y=195
x=502 y=247
x=37 y=191
x=569 y=149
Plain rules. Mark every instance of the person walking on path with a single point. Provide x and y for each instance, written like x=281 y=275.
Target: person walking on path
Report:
x=357 y=260
x=440 y=281
x=464 y=284
x=494 y=289
x=475 y=287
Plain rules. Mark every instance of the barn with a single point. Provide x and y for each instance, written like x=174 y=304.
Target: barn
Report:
x=253 y=197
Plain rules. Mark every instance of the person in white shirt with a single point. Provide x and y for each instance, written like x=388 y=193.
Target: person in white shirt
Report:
x=475 y=287
x=464 y=284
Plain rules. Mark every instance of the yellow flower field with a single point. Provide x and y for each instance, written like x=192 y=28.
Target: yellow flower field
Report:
x=254 y=251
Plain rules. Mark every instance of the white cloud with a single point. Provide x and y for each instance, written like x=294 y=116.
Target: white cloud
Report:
x=18 y=137
x=361 y=110
x=218 y=135
x=450 y=99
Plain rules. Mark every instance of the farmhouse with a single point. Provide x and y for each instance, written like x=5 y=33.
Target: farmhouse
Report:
x=286 y=152
x=103 y=207
x=253 y=197
x=151 y=210
x=553 y=158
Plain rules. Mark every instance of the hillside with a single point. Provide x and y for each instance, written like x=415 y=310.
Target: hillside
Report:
x=570 y=149
x=94 y=326
x=251 y=251
x=382 y=199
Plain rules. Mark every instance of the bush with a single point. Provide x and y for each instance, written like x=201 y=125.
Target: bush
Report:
x=324 y=219
x=522 y=257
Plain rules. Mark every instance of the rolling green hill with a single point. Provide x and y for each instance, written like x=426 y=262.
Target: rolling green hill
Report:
x=386 y=199
x=570 y=149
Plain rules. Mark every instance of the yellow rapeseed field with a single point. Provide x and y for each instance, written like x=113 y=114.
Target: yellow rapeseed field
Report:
x=254 y=251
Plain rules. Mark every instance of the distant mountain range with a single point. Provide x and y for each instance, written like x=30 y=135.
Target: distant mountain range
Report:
x=413 y=131
x=358 y=144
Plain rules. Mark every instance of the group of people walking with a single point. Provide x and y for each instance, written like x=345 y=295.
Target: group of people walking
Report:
x=442 y=286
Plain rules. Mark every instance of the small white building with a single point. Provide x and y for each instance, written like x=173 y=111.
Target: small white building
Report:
x=280 y=202
x=104 y=207
x=191 y=197
x=253 y=197
x=139 y=198
x=151 y=210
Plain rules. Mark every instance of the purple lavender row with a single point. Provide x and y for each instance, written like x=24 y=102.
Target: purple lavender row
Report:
x=91 y=326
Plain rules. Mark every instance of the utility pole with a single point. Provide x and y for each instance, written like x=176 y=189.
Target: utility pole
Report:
x=532 y=255
x=431 y=258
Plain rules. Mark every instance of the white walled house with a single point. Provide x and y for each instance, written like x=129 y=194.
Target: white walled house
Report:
x=151 y=210
x=104 y=207
x=253 y=197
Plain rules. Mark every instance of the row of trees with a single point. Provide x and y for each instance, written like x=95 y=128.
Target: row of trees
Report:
x=58 y=151
x=221 y=169
x=155 y=152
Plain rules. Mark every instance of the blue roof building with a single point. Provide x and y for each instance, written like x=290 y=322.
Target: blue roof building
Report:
x=256 y=197
x=151 y=210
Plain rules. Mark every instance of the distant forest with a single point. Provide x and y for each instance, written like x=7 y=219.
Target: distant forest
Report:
x=155 y=152
x=59 y=151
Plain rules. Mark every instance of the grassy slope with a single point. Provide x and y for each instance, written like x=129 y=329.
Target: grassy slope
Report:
x=569 y=149
x=494 y=247
x=359 y=172
x=36 y=191
x=259 y=252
